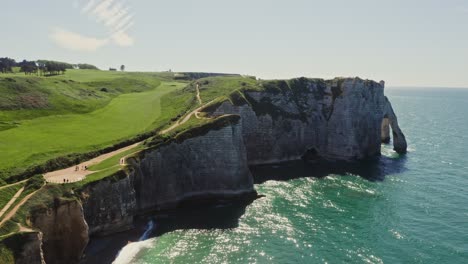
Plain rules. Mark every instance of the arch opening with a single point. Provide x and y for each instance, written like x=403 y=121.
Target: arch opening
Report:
x=385 y=130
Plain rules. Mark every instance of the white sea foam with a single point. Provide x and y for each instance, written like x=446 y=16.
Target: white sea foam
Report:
x=130 y=251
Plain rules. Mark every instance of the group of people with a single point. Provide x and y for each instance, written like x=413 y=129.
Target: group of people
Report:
x=84 y=167
x=66 y=180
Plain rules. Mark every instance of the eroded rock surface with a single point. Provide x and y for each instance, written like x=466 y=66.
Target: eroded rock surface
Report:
x=109 y=207
x=65 y=232
x=335 y=120
x=399 y=140
x=211 y=165
x=31 y=252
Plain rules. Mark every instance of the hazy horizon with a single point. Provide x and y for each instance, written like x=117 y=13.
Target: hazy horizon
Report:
x=412 y=44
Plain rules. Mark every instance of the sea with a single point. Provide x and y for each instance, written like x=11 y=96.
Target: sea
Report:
x=409 y=208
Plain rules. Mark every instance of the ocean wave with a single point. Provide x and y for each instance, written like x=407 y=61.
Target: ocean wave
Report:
x=130 y=251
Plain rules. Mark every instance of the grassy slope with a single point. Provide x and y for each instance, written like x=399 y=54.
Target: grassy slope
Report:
x=7 y=193
x=11 y=226
x=77 y=91
x=32 y=132
x=105 y=173
x=215 y=87
x=114 y=161
x=40 y=139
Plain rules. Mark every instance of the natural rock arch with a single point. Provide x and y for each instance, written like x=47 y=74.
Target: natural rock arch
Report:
x=390 y=120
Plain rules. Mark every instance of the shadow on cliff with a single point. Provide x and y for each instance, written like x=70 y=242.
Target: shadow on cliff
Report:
x=372 y=170
x=224 y=216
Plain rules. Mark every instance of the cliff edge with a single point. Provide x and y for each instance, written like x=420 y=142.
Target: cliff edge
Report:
x=338 y=120
x=259 y=122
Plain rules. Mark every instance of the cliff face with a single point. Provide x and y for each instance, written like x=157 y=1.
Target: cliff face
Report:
x=109 y=207
x=65 y=232
x=212 y=165
x=335 y=120
x=340 y=119
x=31 y=252
x=25 y=247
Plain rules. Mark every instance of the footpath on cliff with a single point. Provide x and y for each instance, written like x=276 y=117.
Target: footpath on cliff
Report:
x=79 y=172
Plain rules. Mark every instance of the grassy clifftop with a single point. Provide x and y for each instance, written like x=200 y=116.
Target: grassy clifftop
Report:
x=43 y=118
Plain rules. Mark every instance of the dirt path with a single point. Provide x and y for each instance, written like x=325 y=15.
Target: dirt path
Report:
x=198 y=95
x=183 y=120
x=9 y=185
x=72 y=175
x=12 y=200
x=15 y=209
x=24 y=229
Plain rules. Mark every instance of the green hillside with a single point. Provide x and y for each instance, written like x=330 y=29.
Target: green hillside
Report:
x=42 y=118
x=59 y=119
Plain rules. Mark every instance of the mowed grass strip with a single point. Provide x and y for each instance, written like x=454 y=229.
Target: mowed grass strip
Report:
x=38 y=140
x=76 y=92
x=115 y=160
x=100 y=175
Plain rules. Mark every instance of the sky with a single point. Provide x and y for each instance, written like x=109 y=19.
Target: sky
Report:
x=404 y=42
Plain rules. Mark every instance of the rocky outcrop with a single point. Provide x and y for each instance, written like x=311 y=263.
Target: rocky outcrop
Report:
x=212 y=165
x=340 y=119
x=31 y=253
x=399 y=140
x=23 y=248
x=65 y=232
x=109 y=207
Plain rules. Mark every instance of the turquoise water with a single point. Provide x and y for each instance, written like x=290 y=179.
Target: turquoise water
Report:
x=410 y=209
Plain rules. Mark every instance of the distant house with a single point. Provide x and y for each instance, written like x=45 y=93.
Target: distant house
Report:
x=112 y=69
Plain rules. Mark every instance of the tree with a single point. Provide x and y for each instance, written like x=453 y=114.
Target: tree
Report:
x=83 y=66
x=6 y=64
x=28 y=67
x=122 y=67
x=53 y=67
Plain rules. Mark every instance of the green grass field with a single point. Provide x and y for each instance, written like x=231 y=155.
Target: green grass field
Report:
x=76 y=92
x=83 y=110
x=42 y=118
x=40 y=139
x=215 y=87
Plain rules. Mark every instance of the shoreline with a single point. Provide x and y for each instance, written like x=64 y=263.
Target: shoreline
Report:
x=200 y=214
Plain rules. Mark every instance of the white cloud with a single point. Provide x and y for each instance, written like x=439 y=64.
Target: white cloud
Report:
x=113 y=15
x=74 y=41
x=88 y=6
